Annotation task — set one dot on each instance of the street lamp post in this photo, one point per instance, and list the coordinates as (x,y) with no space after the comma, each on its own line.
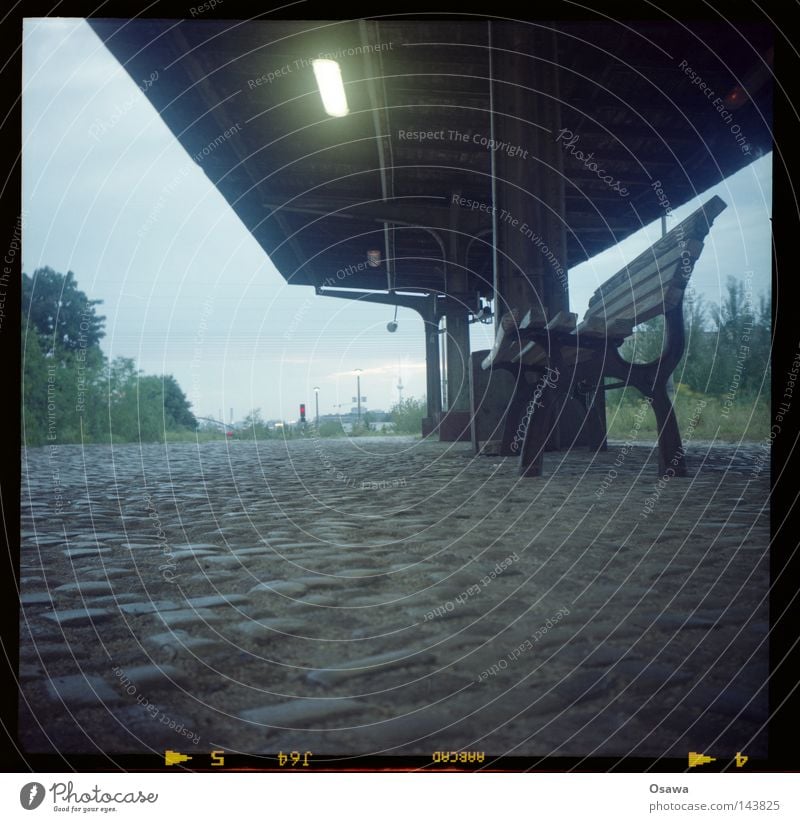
(358,393)
(316,399)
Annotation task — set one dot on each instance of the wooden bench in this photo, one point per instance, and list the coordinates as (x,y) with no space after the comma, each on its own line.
(553,360)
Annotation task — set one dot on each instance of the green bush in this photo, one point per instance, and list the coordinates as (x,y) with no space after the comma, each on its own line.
(330,428)
(408,414)
(700,416)
(71,393)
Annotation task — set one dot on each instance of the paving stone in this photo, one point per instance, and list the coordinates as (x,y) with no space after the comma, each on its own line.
(78,690)
(650,675)
(167,638)
(115,599)
(206,578)
(194,547)
(178,556)
(280,586)
(110,572)
(176,643)
(268,630)
(79,616)
(152,675)
(358,573)
(85,588)
(369,666)
(675,622)
(224,561)
(289,548)
(603,656)
(300,712)
(458,613)
(149,724)
(216,601)
(318,582)
(149,606)
(319,599)
(80,553)
(368,600)
(188,616)
(434,553)
(43,598)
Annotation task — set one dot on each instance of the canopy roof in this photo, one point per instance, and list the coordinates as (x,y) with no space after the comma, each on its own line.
(652,102)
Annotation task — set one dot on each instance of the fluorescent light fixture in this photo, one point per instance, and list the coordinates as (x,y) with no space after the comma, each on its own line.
(331,87)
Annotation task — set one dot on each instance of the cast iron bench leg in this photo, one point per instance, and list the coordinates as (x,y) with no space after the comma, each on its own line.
(542,413)
(670,447)
(596,419)
(514,415)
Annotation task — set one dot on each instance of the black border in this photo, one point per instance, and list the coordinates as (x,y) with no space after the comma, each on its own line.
(784,746)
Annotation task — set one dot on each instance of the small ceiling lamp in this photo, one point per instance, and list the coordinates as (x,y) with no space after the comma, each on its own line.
(331,87)
(391,326)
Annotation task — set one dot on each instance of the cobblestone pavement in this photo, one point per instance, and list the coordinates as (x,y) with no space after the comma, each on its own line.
(388,595)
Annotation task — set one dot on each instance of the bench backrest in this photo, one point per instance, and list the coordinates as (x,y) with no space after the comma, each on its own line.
(654,282)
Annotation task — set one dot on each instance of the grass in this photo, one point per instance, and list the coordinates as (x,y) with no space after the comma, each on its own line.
(700,416)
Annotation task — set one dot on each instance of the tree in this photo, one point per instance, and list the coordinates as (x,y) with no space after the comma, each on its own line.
(34,391)
(743,342)
(253,425)
(177,408)
(646,343)
(142,407)
(70,392)
(121,400)
(63,316)
(694,368)
(407,415)
(732,354)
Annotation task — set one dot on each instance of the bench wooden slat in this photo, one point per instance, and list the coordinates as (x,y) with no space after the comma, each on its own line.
(672,269)
(563,321)
(603,327)
(535,318)
(645,305)
(695,227)
(505,345)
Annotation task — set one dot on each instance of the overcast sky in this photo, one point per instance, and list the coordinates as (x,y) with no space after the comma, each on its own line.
(186,288)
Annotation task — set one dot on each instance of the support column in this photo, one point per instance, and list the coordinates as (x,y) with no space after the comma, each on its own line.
(529,184)
(456,420)
(455,423)
(457,353)
(529,198)
(433,377)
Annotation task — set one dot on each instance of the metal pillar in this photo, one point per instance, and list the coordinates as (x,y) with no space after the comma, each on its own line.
(433,379)
(457,353)
(529,184)
(455,423)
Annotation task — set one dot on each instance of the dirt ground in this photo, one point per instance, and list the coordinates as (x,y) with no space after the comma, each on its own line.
(391,595)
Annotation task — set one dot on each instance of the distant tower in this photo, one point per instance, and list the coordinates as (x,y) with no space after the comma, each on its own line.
(400,389)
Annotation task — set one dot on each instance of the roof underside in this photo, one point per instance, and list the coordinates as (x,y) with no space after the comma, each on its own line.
(241,98)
